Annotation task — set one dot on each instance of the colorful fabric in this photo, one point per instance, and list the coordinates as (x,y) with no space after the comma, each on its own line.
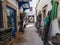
(54,9)
(46,20)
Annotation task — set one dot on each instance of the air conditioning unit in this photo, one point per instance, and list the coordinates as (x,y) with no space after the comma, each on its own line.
(56,0)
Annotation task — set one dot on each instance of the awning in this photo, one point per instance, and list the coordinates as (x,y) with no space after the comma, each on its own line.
(24,4)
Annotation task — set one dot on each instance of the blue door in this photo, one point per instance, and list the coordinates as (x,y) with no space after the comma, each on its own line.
(12,19)
(13,23)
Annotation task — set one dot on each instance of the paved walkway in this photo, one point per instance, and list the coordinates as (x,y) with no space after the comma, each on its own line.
(30,37)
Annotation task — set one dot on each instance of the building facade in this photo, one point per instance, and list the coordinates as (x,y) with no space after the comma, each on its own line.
(52,6)
(9,13)
(9,6)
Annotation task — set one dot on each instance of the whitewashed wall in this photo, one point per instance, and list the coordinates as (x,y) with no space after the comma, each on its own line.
(43,3)
(55,28)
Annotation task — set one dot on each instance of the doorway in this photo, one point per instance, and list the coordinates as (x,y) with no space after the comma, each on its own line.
(31,19)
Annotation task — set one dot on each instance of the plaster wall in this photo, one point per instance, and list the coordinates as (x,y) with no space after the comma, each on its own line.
(42,3)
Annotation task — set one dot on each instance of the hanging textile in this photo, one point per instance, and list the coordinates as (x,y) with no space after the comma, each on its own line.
(54,9)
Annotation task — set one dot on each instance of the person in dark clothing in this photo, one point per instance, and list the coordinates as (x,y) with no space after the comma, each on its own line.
(21,24)
(47,25)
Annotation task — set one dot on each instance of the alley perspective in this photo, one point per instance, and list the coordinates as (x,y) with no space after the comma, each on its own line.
(29,22)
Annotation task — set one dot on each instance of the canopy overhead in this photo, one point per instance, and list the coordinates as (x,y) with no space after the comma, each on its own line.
(24,4)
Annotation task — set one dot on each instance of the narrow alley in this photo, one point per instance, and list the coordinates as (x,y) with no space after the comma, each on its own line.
(29,22)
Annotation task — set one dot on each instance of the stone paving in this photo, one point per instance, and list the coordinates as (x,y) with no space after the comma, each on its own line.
(30,37)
